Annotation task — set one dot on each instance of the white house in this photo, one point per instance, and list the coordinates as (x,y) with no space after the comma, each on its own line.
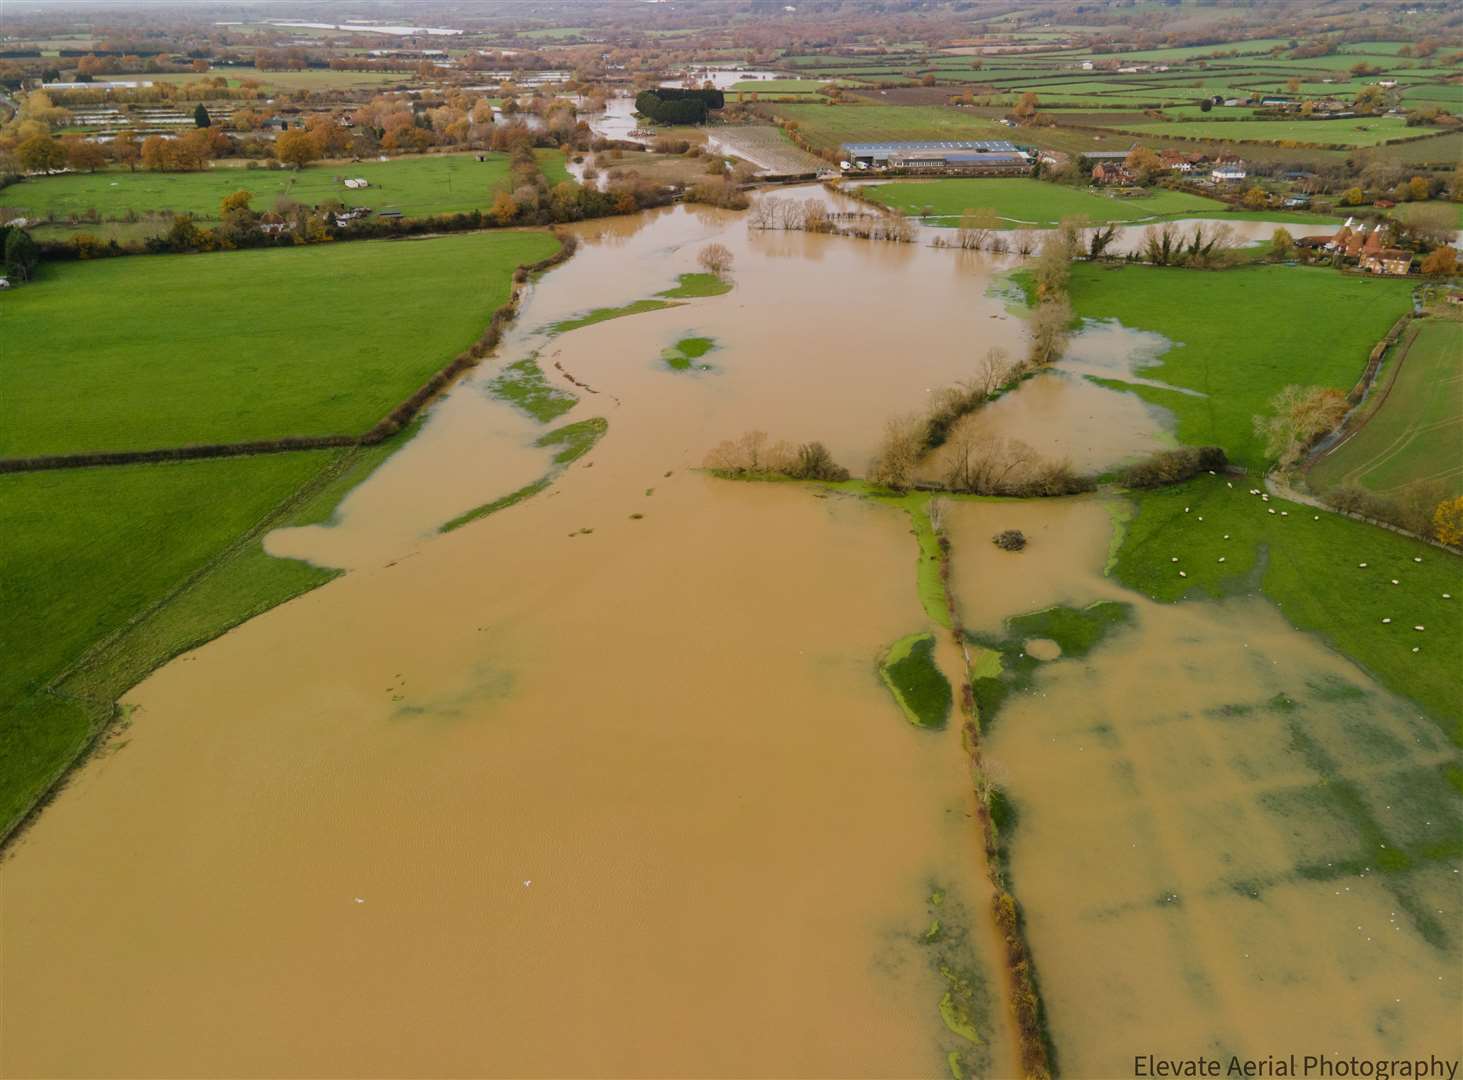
(1228,174)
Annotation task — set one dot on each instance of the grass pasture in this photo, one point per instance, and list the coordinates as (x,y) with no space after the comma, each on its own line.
(419,186)
(1358,131)
(108,572)
(309,79)
(829,126)
(1414,430)
(1309,564)
(168,350)
(1241,335)
(1021,201)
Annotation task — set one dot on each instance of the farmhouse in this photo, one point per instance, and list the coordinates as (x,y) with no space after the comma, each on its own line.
(1111,172)
(1387,261)
(1228,172)
(1180,161)
(988,158)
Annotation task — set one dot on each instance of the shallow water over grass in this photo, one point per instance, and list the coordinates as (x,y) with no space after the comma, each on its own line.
(1210,809)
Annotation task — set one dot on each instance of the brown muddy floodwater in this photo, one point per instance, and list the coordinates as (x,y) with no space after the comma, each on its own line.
(607,783)
(564,792)
(1199,805)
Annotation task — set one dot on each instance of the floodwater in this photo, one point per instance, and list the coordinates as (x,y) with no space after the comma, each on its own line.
(1204,806)
(565,791)
(601,783)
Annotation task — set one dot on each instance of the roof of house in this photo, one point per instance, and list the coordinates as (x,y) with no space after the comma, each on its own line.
(992,158)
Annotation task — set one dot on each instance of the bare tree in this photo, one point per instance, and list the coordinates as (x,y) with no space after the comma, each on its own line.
(1299,416)
(716,258)
(1050,327)
(899,453)
(1053,266)
(976,227)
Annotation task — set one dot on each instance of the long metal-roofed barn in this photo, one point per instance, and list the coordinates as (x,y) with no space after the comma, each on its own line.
(996,155)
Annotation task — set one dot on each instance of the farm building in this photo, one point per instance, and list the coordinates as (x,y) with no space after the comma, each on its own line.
(1108,172)
(991,158)
(1387,261)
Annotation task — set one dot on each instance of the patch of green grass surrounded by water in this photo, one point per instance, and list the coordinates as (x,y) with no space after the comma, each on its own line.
(604,314)
(511,499)
(522,385)
(574,440)
(1013,669)
(682,356)
(919,687)
(693,286)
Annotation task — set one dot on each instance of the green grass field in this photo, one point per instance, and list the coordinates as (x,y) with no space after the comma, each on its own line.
(1023,201)
(1241,335)
(1359,131)
(828,126)
(167,350)
(1310,569)
(1406,211)
(309,79)
(1415,433)
(93,555)
(418,186)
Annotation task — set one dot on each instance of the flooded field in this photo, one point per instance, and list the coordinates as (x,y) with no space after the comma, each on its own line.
(1220,823)
(548,795)
(600,783)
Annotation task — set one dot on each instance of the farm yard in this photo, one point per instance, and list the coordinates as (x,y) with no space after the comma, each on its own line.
(1412,426)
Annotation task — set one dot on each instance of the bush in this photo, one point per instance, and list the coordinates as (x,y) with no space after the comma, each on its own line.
(1172,466)
(1416,510)
(814,462)
(1010,540)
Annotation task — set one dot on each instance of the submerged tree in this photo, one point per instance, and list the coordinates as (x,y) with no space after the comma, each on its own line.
(1050,328)
(715,258)
(899,453)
